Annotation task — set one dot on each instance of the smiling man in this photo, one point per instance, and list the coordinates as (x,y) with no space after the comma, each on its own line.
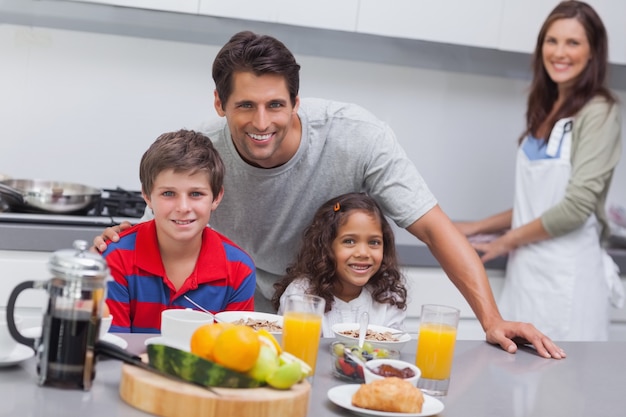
(285,156)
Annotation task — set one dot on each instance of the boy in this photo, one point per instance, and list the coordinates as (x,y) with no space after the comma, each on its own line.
(156,263)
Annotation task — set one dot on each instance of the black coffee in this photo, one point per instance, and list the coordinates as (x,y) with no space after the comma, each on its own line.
(69,360)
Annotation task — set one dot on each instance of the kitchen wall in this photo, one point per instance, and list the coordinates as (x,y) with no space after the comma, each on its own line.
(83,107)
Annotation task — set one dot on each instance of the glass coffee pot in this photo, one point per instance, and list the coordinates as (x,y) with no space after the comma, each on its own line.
(76,293)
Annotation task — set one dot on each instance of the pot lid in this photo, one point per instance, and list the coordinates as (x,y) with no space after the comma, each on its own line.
(78,263)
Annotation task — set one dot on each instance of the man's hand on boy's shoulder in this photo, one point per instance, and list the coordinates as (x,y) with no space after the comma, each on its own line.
(110,233)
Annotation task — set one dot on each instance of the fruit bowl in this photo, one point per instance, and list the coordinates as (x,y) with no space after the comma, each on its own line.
(347,370)
(400,338)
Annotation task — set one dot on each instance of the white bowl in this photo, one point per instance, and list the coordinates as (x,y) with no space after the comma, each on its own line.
(402,338)
(234,316)
(105,325)
(398,364)
(178,325)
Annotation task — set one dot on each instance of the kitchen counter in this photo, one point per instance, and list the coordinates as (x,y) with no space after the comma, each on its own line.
(486,381)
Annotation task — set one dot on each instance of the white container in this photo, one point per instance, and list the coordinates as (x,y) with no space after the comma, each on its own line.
(235,316)
(402,338)
(396,363)
(177,326)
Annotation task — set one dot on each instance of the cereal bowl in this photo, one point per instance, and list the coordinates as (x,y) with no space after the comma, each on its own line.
(273,323)
(383,368)
(348,370)
(397,338)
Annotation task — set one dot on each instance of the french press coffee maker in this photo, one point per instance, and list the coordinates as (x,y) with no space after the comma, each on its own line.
(76,292)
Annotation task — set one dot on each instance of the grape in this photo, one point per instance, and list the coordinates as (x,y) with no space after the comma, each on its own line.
(357,352)
(338,349)
(382,353)
(367,347)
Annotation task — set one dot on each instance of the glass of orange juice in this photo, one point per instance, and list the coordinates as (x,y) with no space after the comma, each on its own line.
(435,347)
(302,326)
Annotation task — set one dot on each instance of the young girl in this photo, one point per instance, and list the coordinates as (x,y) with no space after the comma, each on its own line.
(348,257)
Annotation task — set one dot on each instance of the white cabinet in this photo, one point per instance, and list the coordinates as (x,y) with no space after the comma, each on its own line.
(472,23)
(20,266)
(613,14)
(507,25)
(179,6)
(432,286)
(322,14)
(521,21)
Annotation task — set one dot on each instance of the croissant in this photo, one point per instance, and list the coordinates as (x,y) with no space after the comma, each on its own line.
(389,394)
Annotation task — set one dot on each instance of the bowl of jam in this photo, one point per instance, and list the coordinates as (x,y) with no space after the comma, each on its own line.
(383,368)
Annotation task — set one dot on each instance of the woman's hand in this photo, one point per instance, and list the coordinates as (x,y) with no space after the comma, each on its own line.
(467,228)
(491,250)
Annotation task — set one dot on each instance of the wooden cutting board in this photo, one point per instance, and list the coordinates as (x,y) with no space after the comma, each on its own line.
(169,398)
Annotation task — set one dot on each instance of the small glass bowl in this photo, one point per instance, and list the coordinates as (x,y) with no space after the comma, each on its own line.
(347,370)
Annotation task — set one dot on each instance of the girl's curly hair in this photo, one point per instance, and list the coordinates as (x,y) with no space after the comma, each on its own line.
(316,259)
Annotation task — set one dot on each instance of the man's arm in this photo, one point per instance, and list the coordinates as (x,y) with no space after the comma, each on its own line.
(110,233)
(461,263)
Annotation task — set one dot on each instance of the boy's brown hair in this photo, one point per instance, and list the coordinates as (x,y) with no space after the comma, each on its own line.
(182,151)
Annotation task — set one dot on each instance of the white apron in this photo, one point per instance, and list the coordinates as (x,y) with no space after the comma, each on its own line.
(560,284)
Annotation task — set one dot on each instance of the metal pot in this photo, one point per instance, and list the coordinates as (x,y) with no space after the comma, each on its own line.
(48,196)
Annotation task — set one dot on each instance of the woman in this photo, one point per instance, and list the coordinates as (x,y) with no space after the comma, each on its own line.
(558,275)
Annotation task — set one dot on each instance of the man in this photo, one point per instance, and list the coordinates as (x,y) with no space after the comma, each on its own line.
(284,157)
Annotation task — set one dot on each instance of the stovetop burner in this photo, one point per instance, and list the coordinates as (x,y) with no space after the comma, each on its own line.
(119,203)
(114,206)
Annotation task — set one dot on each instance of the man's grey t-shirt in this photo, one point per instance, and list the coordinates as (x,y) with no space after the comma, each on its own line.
(344,148)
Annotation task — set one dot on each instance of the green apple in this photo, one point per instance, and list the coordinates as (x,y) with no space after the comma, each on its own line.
(266,364)
(285,376)
(287,357)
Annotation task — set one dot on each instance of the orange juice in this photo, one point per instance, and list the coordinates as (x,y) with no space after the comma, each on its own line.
(301,335)
(435,349)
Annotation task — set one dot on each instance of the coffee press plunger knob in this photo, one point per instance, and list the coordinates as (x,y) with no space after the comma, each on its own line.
(80,245)
(78,264)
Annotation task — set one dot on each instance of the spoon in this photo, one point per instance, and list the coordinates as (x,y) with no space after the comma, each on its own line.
(354,358)
(203,309)
(363,323)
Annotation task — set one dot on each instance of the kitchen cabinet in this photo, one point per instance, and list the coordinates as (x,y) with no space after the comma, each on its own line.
(472,23)
(178,6)
(521,21)
(322,14)
(612,14)
(432,286)
(509,26)
(20,266)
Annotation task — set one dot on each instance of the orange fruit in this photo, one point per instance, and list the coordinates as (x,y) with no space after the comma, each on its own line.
(268,339)
(204,337)
(105,310)
(237,348)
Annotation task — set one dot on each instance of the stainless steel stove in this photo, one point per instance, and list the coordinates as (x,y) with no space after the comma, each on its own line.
(49,232)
